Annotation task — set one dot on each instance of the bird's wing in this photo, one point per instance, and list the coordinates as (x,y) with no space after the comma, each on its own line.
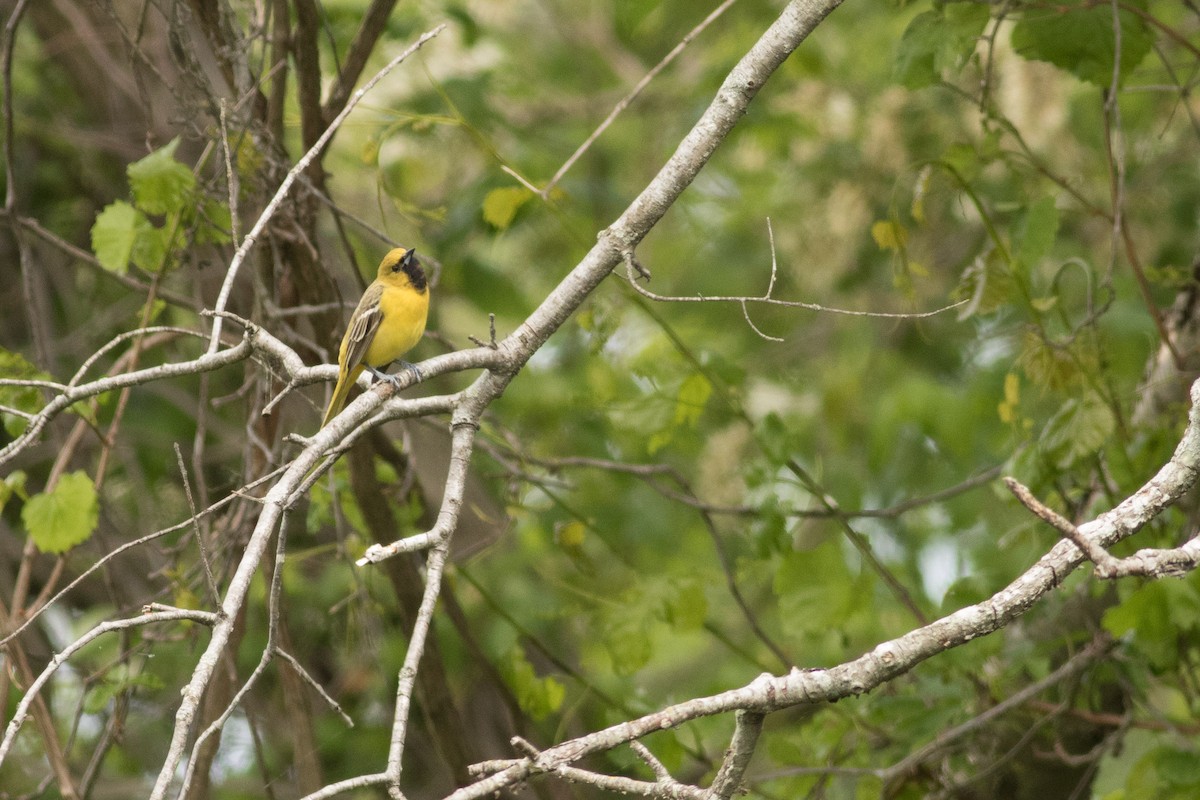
(363,325)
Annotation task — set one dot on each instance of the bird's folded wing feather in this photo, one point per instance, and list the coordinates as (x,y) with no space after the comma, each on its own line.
(367,318)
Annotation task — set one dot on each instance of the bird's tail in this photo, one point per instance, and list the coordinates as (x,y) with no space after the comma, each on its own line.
(346,379)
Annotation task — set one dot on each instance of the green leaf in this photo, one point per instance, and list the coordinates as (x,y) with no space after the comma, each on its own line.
(659,439)
(889,235)
(692,398)
(1048,366)
(467,26)
(500,206)
(120,679)
(64,517)
(370,152)
(160,184)
(1008,408)
(918,46)
(1178,767)
(686,605)
(1035,232)
(150,249)
(115,232)
(815,578)
(13,484)
(1080,40)
(627,641)
(964,160)
(155,310)
(14,366)
(776,438)
(1080,428)
(216,223)
(538,697)
(986,283)
(939,40)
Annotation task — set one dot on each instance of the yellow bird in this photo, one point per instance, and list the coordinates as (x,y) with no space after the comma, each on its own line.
(389,321)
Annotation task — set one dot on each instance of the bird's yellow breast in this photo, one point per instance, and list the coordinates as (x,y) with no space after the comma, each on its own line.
(404,311)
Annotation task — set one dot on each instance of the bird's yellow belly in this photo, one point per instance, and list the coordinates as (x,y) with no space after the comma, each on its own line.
(404,314)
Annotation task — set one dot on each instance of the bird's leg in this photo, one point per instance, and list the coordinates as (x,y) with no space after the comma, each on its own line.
(382,376)
(393,379)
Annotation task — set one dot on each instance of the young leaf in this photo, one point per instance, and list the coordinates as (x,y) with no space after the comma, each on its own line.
(939,40)
(1035,233)
(538,697)
(1080,40)
(64,517)
(149,248)
(1047,365)
(13,484)
(686,605)
(216,223)
(20,398)
(889,235)
(1012,398)
(500,206)
(1178,768)
(160,184)
(987,283)
(115,233)
(692,397)
(1080,428)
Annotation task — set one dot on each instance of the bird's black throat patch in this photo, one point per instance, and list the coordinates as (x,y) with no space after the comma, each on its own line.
(416,275)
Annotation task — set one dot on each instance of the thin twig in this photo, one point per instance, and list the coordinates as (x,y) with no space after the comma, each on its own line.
(771,301)
(860,542)
(302,673)
(231,178)
(1094,552)
(6,55)
(214,592)
(627,99)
